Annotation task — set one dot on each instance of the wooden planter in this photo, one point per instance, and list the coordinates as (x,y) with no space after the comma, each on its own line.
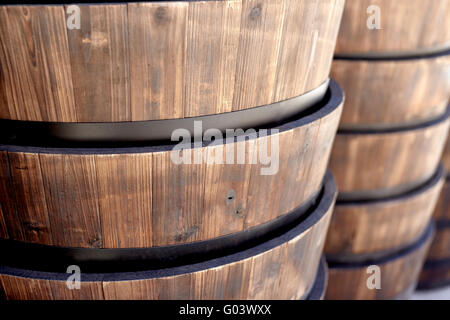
(374,164)
(364,230)
(399,275)
(138,197)
(283,267)
(162,60)
(393,93)
(402,32)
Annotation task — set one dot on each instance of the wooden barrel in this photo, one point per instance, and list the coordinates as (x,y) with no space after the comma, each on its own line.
(282,267)
(393,93)
(365,230)
(401,29)
(162,59)
(382,163)
(139,197)
(398,274)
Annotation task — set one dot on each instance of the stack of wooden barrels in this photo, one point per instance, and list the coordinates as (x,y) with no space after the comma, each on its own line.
(97,199)
(436,271)
(394,69)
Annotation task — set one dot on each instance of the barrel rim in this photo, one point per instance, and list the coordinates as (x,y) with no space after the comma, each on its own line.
(333,102)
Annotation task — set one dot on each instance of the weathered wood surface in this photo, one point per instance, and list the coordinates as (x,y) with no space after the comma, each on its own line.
(402,27)
(141,198)
(372,227)
(386,94)
(281,268)
(398,273)
(162,60)
(387,162)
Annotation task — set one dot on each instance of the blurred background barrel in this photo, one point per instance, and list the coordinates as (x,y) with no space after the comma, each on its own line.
(394,70)
(436,271)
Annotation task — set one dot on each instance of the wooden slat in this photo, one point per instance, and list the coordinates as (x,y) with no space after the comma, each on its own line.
(178,195)
(125,200)
(157,36)
(261,29)
(7,201)
(71,191)
(99,63)
(36,81)
(226,187)
(210,65)
(308,56)
(402,26)
(32,213)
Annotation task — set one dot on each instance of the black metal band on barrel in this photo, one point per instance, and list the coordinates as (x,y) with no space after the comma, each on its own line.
(25,261)
(425,53)
(159,130)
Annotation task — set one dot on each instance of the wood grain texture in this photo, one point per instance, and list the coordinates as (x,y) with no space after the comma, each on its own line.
(398,273)
(165,60)
(70,188)
(364,228)
(121,200)
(40,289)
(157,57)
(442,211)
(99,63)
(281,268)
(388,160)
(392,93)
(402,26)
(36,82)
